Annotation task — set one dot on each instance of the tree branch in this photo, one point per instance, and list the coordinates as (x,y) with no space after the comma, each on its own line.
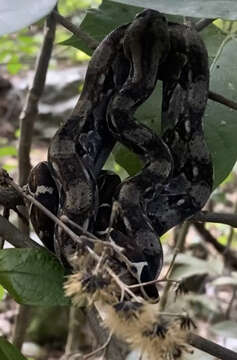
(9,197)
(203,23)
(91,43)
(211,348)
(223,218)
(117,349)
(15,237)
(30,110)
(230,256)
(222,100)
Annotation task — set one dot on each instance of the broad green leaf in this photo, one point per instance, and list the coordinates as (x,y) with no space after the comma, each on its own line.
(228,27)
(99,22)
(226,9)
(15,14)
(226,329)
(32,277)
(9,351)
(8,150)
(220,121)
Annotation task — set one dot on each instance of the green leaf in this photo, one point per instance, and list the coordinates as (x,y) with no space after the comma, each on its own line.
(226,329)
(220,121)
(8,150)
(99,22)
(32,277)
(14,65)
(226,9)
(228,27)
(2,292)
(9,351)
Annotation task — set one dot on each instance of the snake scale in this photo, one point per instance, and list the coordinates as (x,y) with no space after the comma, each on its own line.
(176,179)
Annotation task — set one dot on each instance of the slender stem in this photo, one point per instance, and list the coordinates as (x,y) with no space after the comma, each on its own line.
(30,110)
(222,100)
(203,23)
(211,348)
(229,255)
(21,324)
(96,351)
(15,237)
(223,218)
(179,245)
(80,34)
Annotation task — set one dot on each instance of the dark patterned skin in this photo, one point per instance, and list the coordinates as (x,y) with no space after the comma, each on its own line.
(176,179)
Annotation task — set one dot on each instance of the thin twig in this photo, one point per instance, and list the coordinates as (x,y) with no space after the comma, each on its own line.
(230,255)
(15,237)
(117,349)
(152,282)
(230,305)
(223,218)
(222,100)
(91,43)
(30,110)
(211,348)
(179,245)
(203,23)
(102,347)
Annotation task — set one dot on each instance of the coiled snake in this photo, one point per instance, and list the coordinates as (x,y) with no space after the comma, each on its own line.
(176,179)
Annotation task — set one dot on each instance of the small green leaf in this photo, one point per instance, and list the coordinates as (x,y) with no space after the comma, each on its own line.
(99,22)
(9,167)
(2,292)
(32,277)
(8,150)
(220,121)
(9,351)
(14,65)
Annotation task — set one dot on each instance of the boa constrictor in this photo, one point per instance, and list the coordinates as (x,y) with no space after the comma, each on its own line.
(176,180)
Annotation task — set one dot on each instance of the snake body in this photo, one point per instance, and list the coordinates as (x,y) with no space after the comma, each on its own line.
(81,146)
(185,93)
(176,180)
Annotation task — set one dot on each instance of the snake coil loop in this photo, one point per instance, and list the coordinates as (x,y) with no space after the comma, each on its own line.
(176,180)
